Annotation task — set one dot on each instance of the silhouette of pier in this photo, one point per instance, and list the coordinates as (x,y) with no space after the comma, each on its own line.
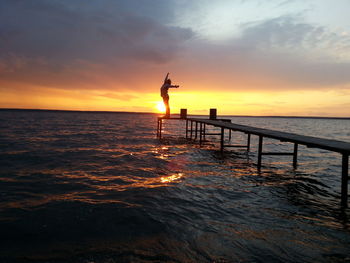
(196,130)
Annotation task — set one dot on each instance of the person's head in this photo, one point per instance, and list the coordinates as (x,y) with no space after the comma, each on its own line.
(168,81)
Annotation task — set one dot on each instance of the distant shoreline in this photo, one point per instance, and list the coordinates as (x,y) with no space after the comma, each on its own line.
(154,113)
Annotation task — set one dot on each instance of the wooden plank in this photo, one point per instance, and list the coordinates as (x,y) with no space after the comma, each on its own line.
(171,118)
(277,153)
(238,146)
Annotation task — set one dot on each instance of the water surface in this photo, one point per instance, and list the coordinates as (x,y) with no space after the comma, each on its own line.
(99,187)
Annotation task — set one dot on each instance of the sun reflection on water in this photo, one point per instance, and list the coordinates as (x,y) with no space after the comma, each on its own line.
(171,178)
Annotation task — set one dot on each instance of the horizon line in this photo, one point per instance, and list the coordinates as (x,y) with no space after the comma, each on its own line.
(133,112)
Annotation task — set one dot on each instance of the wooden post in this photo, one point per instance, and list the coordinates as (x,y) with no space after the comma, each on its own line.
(160,128)
(157,127)
(200,133)
(212,114)
(248,143)
(295,156)
(186,129)
(344,180)
(222,140)
(195,135)
(229,135)
(191,129)
(260,151)
(183,113)
(204,131)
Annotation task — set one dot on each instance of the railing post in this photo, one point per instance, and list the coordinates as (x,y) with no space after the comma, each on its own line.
(260,151)
(200,133)
(186,128)
(295,156)
(212,114)
(183,113)
(229,134)
(344,180)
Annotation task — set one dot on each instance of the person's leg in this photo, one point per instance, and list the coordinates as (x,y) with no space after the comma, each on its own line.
(167,107)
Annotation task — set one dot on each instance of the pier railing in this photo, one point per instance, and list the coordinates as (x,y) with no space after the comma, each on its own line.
(196,130)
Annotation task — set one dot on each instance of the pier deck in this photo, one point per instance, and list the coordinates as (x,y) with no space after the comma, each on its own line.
(309,141)
(225,124)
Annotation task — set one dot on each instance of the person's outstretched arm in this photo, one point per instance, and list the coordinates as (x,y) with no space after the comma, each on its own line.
(174,86)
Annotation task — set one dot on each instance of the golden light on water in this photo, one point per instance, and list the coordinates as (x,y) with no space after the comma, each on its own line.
(171,178)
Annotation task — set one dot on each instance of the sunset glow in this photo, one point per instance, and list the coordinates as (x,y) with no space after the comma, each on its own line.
(160,106)
(243,58)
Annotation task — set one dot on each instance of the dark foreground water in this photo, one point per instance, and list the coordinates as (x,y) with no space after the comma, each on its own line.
(87,187)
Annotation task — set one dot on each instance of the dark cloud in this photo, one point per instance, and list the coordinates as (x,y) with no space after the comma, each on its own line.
(57,31)
(45,39)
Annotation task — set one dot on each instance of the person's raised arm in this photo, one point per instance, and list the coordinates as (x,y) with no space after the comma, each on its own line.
(166,77)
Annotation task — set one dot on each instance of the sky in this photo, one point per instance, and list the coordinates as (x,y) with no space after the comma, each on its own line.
(243,57)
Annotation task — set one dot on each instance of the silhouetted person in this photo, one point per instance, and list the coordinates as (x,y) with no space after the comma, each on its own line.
(164,93)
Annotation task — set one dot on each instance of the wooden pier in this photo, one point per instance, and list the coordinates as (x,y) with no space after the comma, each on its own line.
(196,129)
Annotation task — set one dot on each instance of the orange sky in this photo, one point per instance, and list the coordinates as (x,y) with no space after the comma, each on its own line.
(112,56)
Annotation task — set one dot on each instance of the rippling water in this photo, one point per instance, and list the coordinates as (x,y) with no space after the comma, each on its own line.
(99,187)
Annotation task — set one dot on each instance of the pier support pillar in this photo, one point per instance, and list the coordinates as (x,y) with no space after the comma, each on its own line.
(204,127)
(260,151)
(200,133)
(157,127)
(186,129)
(191,131)
(222,140)
(160,124)
(248,143)
(344,180)
(196,130)
(295,156)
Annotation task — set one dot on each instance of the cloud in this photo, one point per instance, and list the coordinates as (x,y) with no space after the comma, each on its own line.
(275,54)
(51,37)
(55,30)
(127,45)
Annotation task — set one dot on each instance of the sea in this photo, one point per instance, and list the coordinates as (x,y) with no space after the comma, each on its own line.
(99,187)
